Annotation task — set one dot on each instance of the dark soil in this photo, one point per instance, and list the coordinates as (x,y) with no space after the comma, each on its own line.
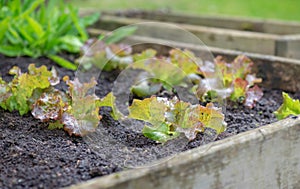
(31,156)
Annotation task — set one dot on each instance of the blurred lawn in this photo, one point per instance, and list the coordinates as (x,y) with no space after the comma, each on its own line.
(276,9)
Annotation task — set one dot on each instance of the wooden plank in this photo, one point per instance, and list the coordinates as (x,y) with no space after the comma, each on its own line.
(267,157)
(289,46)
(236,23)
(277,72)
(224,38)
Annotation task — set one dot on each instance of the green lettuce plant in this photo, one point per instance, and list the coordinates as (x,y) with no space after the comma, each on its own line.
(289,107)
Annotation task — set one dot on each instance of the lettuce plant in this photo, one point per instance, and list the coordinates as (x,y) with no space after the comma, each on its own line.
(169,118)
(76,111)
(105,56)
(18,94)
(230,80)
(288,107)
(82,115)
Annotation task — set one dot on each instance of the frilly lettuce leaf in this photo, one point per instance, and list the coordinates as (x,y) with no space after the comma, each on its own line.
(82,115)
(233,80)
(146,54)
(162,71)
(253,95)
(239,90)
(185,60)
(50,105)
(195,118)
(77,110)
(288,107)
(105,57)
(109,101)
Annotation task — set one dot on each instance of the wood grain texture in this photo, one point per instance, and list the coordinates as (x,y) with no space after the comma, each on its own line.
(268,37)
(289,46)
(236,23)
(212,36)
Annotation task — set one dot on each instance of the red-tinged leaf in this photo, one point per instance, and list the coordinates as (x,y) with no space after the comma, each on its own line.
(92,46)
(242,66)
(253,95)
(239,92)
(121,49)
(82,115)
(207,69)
(196,118)
(71,125)
(224,71)
(50,106)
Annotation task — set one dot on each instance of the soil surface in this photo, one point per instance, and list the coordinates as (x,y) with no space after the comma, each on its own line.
(31,156)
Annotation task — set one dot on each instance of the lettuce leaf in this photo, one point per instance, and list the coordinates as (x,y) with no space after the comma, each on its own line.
(288,107)
(50,106)
(109,101)
(82,115)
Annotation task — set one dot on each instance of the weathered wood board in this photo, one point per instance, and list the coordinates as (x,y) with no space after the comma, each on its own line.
(269,37)
(236,23)
(215,37)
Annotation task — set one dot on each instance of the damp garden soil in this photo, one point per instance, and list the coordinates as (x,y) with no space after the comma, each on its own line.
(31,156)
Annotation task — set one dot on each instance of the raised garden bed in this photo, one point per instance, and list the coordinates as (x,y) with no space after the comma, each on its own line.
(257,36)
(54,159)
(244,160)
(34,157)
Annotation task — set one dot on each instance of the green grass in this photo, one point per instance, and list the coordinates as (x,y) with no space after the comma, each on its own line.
(276,9)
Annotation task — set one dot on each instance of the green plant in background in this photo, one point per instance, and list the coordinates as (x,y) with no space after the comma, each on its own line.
(35,28)
(289,107)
